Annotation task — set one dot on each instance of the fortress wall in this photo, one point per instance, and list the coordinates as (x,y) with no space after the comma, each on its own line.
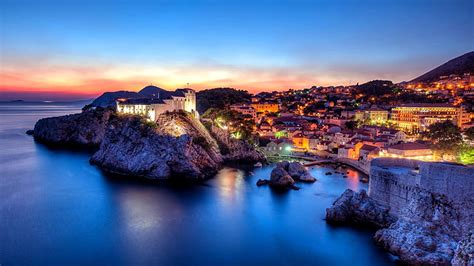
(394,182)
(454,181)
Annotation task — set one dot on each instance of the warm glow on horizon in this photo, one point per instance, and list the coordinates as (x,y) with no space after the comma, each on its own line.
(93,82)
(66,49)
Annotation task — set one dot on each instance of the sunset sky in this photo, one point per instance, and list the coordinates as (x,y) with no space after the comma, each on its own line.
(57,50)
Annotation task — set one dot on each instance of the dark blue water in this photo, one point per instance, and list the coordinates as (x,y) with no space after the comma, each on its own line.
(56,209)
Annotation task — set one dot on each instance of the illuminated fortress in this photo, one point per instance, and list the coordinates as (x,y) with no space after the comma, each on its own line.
(164,101)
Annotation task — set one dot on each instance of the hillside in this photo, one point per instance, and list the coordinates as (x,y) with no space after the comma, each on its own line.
(219,98)
(459,65)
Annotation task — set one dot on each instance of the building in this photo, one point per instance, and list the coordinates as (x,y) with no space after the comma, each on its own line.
(377,116)
(278,147)
(167,101)
(301,142)
(373,115)
(367,152)
(418,117)
(245,110)
(266,107)
(412,150)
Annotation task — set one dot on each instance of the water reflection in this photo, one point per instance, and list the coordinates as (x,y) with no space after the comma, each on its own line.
(230,184)
(57,209)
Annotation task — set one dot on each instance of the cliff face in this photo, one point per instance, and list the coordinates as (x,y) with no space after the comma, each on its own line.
(464,254)
(84,129)
(234,149)
(433,203)
(427,232)
(359,209)
(179,147)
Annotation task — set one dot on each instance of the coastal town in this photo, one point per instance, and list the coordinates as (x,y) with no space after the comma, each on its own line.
(427,121)
(237,132)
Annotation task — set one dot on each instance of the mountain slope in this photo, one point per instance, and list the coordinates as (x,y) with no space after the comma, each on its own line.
(107,99)
(153,91)
(459,65)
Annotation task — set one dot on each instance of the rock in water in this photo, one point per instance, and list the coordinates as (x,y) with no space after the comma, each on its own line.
(358,208)
(427,232)
(279,178)
(179,147)
(464,254)
(297,171)
(285,173)
(84,129)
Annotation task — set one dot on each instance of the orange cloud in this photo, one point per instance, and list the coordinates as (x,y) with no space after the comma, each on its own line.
(91,81)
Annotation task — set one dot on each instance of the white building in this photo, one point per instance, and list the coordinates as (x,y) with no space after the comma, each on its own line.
(245,110)
(166,101)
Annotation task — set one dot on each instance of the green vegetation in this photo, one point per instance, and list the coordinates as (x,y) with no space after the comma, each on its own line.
(150,124)
(466,155)
(220,98)
(447,139)
(470,133)
(281,134)
(314,107)
(353,124)
(445,136)
(238,125)
(376,88)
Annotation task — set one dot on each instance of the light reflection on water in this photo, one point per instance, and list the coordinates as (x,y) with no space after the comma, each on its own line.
(55,208)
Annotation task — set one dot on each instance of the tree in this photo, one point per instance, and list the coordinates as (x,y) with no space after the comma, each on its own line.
(466,155)
(470,133)
(445,136)
(353,124)
(220,98)
(238,125)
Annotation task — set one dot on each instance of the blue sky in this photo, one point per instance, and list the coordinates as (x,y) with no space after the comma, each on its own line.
(91,46)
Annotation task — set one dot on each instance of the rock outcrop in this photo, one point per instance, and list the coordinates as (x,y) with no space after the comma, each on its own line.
(236,150)
(285,173)
(83,129)
(298,172)
(179,147)
(427,231)
(279,178)
(464,254)
(358,208)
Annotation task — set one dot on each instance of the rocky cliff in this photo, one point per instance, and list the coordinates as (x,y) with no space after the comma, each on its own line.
(234,149)
(84,129)
(427,232)
(358,208)
(179,147)
(464,254)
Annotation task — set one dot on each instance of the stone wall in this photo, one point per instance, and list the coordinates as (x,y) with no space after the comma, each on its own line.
(394,182)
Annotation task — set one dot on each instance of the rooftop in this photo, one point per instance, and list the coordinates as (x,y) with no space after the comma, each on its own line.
(426,105)
(409,146)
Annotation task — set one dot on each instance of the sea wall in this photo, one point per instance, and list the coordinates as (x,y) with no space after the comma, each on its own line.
(394,182)
(364,167)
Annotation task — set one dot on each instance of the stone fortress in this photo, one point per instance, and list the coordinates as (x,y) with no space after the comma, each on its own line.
(161,102)
(395,182)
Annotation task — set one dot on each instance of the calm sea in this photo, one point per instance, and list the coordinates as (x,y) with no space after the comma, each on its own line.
(57,209)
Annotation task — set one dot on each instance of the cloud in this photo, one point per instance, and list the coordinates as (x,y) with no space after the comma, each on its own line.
(94,77)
